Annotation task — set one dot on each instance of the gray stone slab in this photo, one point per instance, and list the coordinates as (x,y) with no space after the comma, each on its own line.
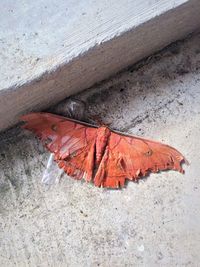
(51,49)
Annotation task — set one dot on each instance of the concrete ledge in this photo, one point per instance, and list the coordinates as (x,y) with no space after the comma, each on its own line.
(72,47)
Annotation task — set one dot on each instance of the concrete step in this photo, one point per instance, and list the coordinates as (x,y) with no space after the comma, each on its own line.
(50,50)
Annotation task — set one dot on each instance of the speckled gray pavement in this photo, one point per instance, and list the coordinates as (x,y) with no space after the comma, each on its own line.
(155,222)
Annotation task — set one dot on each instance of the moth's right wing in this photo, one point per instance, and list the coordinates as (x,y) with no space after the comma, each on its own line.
(132,157)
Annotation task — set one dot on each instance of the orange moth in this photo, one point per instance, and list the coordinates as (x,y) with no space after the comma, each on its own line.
(99,154)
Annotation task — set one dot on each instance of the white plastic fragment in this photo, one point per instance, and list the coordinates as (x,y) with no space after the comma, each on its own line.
(52,173)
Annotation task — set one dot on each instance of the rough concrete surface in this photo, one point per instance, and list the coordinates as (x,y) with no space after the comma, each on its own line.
(52,49)
(47,34)
(151,223)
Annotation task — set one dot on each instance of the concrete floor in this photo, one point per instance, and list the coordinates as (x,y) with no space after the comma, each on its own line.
(151,223)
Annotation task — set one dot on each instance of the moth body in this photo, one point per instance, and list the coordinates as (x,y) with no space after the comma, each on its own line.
(103,134)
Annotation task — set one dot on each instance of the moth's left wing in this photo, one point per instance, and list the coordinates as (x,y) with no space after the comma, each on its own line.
(72,142)
(131,157)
